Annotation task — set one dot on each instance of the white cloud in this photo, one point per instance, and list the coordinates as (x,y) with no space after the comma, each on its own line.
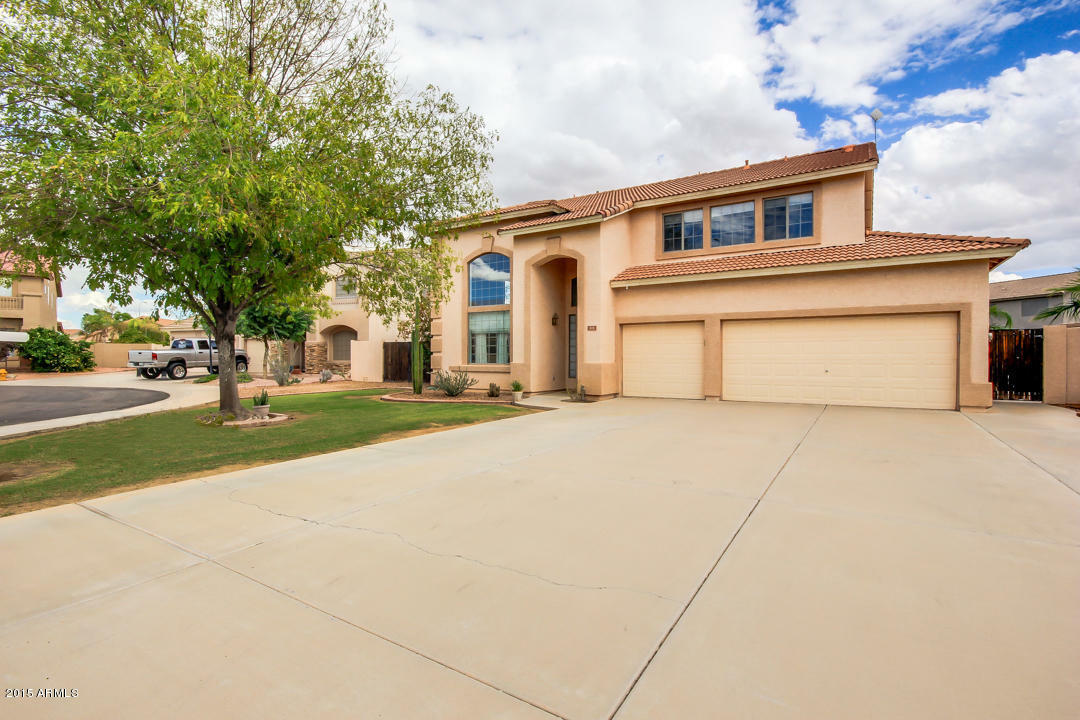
(591,96)
(838,52)
(482,271)
(999,276)
(78,300)
(1009,173)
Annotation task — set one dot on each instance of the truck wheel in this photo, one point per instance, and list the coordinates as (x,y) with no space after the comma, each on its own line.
(241,366)
(177,371)
(149,373)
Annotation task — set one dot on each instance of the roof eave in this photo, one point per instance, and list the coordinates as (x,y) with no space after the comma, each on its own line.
(1003,254)
(702,194)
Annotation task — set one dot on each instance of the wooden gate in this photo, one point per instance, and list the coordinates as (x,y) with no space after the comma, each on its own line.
(396,361)
(1016,364)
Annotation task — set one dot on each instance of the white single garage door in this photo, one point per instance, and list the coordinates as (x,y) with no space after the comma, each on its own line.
(664,360)
(885,360)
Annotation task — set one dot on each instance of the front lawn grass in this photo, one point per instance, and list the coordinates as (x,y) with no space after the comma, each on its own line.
(94,460)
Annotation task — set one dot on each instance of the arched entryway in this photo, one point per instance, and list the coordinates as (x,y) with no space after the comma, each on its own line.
(555,333)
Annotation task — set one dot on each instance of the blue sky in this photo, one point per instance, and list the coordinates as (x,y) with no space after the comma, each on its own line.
(981,101)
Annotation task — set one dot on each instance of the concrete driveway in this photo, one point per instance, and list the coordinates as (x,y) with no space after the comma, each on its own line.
(628,559)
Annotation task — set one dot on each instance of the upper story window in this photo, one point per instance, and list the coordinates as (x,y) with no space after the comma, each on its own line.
(489,280)
(789,217)
(344,289)
(683,231)
(1030,307)
(732,224)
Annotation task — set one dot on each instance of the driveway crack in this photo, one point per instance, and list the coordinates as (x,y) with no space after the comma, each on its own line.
(453,556)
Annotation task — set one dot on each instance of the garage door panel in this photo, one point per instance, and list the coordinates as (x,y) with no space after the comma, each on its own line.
(895,361)
(664,360)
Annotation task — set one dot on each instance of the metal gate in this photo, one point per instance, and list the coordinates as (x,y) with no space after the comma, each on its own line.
(1016,364)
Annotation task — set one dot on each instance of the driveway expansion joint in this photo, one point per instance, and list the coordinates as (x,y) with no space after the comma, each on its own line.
(209,560)
(716,563)
(1031,460)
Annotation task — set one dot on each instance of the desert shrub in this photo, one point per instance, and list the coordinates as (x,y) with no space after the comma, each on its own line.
(453,383)
(516,386)
(493,390)
(280,369)
(325,375)
(52,351)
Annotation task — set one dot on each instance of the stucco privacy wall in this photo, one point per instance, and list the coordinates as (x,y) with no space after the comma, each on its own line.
(1061,364)
(959,287)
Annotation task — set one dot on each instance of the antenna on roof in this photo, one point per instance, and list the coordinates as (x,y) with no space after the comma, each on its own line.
(875,116)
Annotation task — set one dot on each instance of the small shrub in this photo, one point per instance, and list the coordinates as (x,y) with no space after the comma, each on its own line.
(325,375)
(453,383)
(243,377)
(516,386)
(52,351)
(205,378)
(493,390)
(263,398)
(576,394)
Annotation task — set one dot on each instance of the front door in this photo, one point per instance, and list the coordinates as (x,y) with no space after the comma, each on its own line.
(571,344)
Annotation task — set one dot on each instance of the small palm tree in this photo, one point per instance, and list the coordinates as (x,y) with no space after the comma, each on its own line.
(1068,310)
(999,319)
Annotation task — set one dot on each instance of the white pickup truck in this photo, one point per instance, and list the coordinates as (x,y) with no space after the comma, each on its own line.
(183,354)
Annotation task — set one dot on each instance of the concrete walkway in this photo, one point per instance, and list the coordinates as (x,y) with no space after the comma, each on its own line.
(626,559)
(177,394)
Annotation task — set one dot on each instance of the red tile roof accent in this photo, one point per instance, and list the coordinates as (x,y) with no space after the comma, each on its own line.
(611,202)
(880,244)
(522,206)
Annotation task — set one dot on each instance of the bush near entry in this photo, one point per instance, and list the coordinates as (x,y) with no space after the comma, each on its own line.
(53,351)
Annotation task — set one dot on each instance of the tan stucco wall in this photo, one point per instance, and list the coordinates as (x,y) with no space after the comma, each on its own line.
(38,300)
(1061,364)
(115,355)
(959,287)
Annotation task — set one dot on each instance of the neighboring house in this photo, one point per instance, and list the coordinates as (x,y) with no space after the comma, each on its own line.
(26,300)
(1026,298)
(349,341)
(764,282)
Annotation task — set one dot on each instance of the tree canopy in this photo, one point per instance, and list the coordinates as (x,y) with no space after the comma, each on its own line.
(222,153)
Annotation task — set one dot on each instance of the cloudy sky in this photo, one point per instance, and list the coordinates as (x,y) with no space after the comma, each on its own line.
(981,100)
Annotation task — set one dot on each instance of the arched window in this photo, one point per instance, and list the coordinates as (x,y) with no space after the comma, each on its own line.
(489,280)
(489,331)
(340,349)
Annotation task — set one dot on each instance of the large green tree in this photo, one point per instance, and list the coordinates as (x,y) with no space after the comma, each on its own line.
(219,153)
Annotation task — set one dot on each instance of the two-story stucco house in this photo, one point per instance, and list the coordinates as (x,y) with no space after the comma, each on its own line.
(27,300)
(764,282)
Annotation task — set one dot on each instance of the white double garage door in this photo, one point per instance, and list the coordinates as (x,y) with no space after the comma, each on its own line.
(877,360)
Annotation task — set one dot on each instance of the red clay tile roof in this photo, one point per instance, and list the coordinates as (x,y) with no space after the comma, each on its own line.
(1031,287)
(532,204)
(879,244)
(611,202)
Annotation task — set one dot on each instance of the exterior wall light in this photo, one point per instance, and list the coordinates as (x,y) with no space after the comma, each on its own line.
(555,319)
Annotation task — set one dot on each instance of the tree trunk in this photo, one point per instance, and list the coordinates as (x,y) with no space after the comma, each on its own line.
(266,357)
(228,389)
(417,362)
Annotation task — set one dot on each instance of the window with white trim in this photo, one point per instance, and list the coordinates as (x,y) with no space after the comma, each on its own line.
(344,289)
